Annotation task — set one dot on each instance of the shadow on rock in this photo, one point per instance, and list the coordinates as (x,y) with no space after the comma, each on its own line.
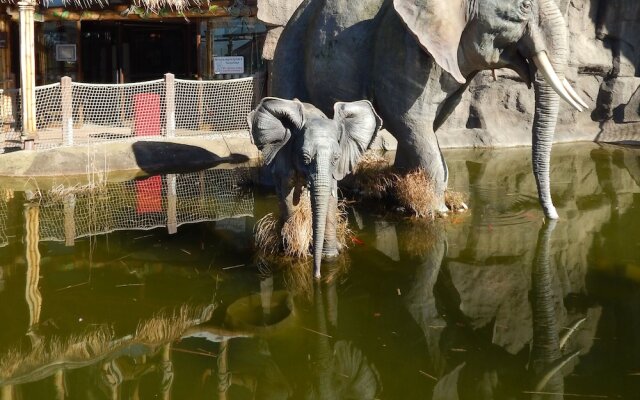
(165,158)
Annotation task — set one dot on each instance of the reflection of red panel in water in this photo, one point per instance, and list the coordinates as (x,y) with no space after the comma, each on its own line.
(147,114)
(149,195)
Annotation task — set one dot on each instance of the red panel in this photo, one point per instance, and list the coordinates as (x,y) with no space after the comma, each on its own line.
(149,195)
(147,114)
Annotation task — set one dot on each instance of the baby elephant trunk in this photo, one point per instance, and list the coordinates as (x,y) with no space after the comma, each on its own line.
(321,182)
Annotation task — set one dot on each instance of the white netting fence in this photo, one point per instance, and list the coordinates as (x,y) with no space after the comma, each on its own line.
(67,214)
(10,114)
(111,112)
(48,106)
(70,113)
(213,106)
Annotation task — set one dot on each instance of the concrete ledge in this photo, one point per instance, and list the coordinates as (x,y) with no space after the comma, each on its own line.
(126,160)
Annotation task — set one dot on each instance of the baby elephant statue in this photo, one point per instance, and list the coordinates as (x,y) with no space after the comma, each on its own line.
(302,147)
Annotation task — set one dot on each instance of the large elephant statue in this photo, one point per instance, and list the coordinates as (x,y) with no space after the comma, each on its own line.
(303,147)
(413,59)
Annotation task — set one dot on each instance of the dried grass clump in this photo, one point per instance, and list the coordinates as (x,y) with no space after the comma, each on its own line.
(164,327)
(266,235)
(373,176)
(415,192)
(296,236)
(455,201)
(297,231)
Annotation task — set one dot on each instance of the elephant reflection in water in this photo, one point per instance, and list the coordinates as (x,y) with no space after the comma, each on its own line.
(337,369)
(466,357)
(340,369)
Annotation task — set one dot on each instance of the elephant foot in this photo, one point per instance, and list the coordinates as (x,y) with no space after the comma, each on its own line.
(442,210)
(330,254)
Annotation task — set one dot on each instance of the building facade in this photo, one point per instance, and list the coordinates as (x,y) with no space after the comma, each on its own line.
(120,42)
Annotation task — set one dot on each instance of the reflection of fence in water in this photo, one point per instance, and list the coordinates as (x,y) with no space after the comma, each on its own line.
(4,218)
(170,200)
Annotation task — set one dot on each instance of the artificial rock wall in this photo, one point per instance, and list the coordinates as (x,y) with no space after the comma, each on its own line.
(604,68)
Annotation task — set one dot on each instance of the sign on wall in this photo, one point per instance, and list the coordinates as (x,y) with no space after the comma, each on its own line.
(228,65)
(66,52)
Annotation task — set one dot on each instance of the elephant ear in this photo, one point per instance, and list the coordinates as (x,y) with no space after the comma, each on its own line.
(359,125)
(438,26)
(271,124)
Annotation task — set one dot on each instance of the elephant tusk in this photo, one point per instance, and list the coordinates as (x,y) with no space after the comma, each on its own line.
(554,369)
(574,94)
(544,66)
(565,338)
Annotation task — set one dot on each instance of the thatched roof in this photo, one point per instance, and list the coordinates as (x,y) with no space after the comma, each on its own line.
(151,5)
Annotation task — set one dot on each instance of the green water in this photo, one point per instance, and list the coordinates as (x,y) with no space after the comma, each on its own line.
(99,301)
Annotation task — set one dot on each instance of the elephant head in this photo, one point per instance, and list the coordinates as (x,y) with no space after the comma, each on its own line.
(295,136)
(528,36)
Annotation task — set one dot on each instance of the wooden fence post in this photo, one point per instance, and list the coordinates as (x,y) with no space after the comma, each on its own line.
(27,68)
(66,93)
(170,99)
(69,207)
(172,202)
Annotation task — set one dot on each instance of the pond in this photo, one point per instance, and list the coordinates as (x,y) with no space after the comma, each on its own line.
(153,289)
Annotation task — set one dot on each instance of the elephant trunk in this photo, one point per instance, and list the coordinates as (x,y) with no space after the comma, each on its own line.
(544,125)
(321,183)
(548,88)
(546,357)
(546,343)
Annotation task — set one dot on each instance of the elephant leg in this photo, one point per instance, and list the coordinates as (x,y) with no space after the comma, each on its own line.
(418,148)
(410,90)
(330,248)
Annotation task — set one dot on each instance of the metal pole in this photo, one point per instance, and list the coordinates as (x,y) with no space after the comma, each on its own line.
(27,68)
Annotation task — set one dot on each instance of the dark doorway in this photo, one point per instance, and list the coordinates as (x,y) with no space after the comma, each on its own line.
(117,52)
(99,52)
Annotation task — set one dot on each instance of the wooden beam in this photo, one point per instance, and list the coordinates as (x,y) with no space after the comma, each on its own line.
(5,53)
